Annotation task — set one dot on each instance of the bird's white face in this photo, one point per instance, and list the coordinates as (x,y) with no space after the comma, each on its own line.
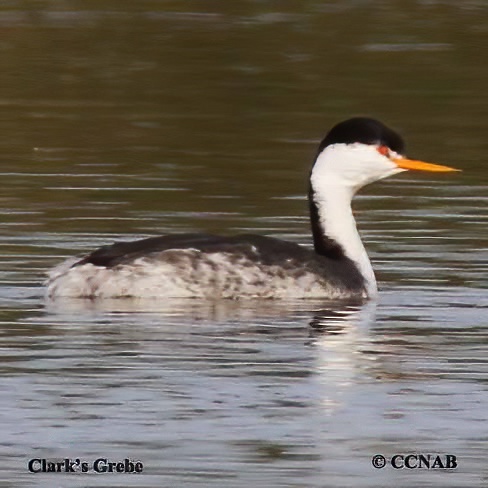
(353,166)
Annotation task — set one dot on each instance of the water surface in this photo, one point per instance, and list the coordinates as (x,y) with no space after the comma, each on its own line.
(126,120)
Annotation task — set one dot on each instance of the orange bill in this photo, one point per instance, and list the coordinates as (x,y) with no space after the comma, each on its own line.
(421,166)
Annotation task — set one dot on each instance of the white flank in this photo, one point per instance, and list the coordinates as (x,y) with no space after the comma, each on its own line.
(188,273)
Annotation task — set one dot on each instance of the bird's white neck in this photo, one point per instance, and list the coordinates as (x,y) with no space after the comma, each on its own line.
(336,224)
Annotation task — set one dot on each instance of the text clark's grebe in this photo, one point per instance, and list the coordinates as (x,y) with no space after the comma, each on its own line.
(354,153)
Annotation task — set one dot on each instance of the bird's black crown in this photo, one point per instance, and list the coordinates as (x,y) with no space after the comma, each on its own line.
(366,131)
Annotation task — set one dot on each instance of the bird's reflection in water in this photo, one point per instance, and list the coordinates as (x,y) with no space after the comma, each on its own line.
(327,344)
(339,317)
(340,335)
(324,318)
(327,318)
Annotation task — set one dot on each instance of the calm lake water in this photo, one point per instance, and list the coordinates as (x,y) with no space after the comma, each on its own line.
(121,120)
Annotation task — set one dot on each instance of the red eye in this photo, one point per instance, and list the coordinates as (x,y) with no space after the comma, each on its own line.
(384,150)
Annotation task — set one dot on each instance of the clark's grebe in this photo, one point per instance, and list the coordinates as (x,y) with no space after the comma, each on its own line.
(354,153)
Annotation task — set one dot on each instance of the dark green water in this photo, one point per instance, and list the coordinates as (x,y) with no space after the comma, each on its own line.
(127,119)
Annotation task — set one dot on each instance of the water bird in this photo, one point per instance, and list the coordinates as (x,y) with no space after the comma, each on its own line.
(354,153)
